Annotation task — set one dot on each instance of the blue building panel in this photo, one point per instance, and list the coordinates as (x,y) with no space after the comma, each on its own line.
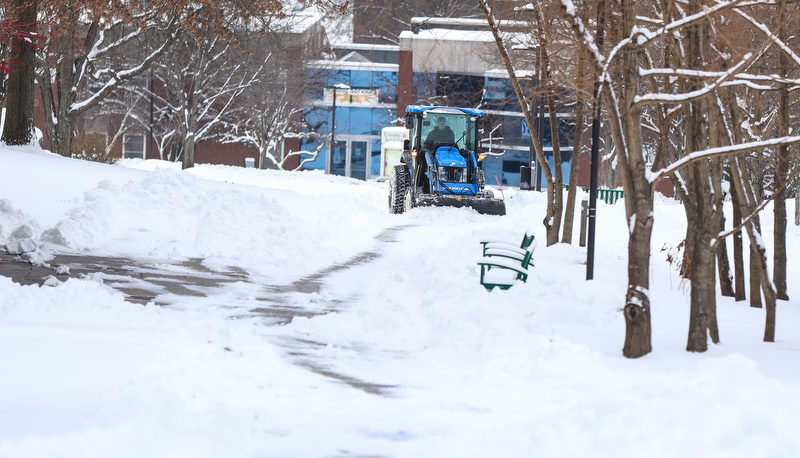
(353,123)
(360,79)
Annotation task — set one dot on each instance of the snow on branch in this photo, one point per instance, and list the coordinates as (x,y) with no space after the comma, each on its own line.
(759,82)
(774,39)
(719,151)
(644,36)
(794,173)
(582,32)
(117,78)
(747,60)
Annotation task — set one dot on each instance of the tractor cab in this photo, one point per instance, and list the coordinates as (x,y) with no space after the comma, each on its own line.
(442,149)
(435,127)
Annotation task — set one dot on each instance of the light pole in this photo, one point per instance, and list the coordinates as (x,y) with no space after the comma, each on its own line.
(333,125)
(594,157)
(150,140)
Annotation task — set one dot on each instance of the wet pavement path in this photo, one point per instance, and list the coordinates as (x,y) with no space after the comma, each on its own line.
(160,284)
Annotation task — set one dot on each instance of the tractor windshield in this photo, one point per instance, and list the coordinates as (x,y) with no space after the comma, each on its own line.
(448,129)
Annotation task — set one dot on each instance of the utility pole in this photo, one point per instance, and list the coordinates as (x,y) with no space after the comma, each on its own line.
(333,125)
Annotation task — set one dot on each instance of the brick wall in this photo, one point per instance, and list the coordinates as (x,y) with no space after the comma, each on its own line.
(210,152)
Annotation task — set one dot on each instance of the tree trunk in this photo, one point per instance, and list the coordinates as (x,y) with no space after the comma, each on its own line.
(577,145)
(755,279)
(738,248)
(187,156)
(558,178)
(555,183)
(639,201)
(637,299)
(58,99)
(724,266)
(797,205)
(19,127)
(781,172)
(701,216)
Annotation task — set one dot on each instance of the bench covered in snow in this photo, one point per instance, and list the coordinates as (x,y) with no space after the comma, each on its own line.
(504,263)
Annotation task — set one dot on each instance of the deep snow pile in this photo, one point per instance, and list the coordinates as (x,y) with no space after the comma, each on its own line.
(534,371)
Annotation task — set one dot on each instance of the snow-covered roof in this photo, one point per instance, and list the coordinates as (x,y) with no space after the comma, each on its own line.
(449,35)
(466,22)
(467,52)
(365,46)
(300,22)
(354,57)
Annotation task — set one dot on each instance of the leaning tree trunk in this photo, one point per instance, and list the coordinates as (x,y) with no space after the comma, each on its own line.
(19,127)
(758,252)
(577,146)
(556,199)
(551,230)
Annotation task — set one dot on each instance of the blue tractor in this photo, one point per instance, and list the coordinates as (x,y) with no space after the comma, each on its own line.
(439,166)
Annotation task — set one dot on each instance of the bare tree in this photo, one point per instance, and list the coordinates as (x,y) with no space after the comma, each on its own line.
(202,80)
(69,63)
(273,108)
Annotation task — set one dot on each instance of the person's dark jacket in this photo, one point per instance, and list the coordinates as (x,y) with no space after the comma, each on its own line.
(437,135)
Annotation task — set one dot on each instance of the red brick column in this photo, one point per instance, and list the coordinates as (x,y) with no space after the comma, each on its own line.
(291,145)
(405,81)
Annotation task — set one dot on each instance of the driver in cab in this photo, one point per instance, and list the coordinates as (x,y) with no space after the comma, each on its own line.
(440,134)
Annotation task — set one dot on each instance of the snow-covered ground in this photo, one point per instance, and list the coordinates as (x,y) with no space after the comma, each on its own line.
(533,371)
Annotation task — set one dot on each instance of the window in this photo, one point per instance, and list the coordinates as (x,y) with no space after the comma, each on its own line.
(133,146)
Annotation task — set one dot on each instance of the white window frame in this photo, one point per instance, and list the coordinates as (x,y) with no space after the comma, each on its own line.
(132,154)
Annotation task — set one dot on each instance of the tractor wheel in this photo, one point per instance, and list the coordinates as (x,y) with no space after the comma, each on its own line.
(408,201)
(400,198)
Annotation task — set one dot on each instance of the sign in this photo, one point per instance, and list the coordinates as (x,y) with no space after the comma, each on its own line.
(392,139)
(352,97)
(394,134)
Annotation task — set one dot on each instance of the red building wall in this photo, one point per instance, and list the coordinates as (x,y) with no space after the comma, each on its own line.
(210,152)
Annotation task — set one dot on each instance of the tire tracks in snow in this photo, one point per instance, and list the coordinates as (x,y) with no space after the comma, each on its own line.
(162,284)
(305,352)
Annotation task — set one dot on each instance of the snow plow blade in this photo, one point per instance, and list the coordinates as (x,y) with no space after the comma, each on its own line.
(480,205)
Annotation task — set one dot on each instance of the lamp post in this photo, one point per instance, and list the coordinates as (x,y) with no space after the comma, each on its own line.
(595,156)
(333,125)
(592,217)
(150,139)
